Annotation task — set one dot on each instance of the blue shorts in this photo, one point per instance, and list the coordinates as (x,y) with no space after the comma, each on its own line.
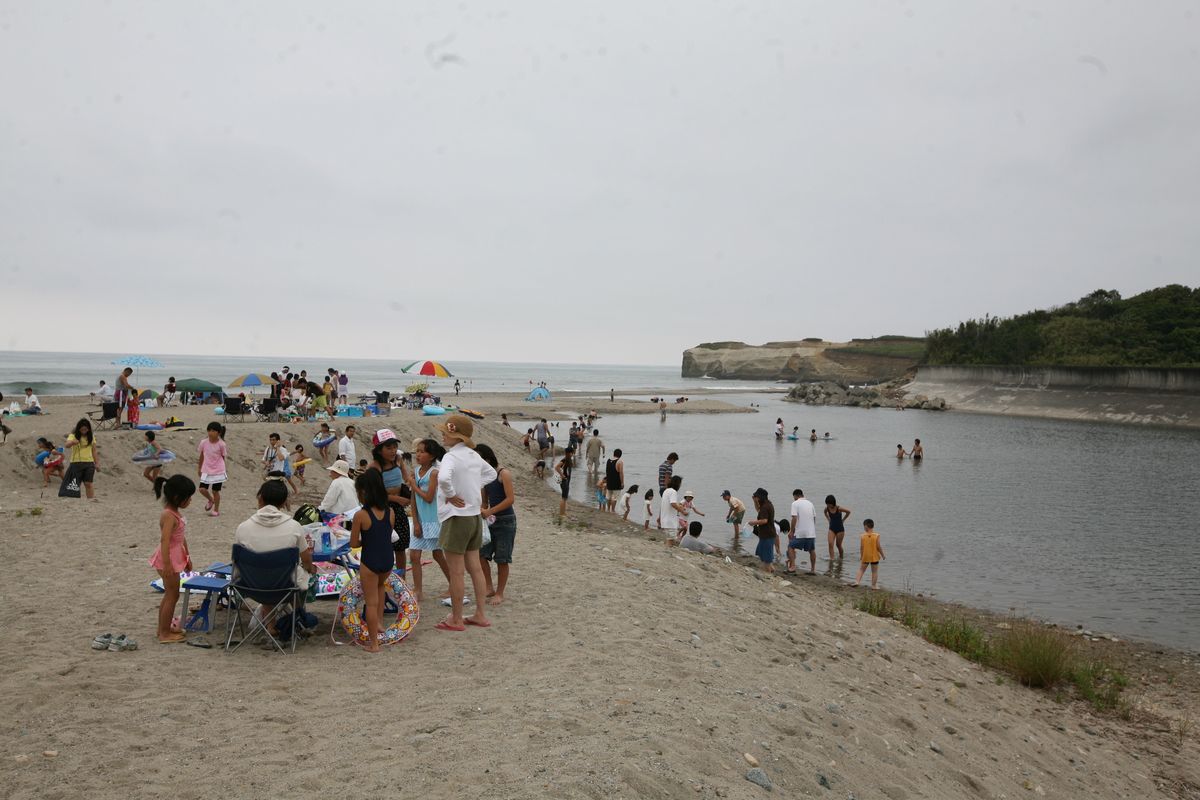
(504,534)
(807,545)
(765,551)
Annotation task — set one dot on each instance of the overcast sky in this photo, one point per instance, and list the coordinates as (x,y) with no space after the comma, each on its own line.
(604,182)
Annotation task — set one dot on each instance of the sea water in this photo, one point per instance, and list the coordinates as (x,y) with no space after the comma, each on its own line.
(81,373)
(1080,523)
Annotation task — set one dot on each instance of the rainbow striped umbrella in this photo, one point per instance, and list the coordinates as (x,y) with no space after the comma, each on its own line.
(430,368)
(252,379)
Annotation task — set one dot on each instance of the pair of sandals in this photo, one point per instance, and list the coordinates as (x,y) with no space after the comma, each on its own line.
(116,644)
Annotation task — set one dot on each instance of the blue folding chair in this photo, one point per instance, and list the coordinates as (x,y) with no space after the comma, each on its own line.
(268,578)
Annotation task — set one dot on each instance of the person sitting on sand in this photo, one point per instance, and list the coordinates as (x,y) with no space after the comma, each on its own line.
(692,540)
(341,497)
(870,553)
(32,404)
(764,529)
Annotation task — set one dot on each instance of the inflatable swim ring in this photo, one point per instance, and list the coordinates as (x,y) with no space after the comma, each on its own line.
(471,414)
(40,458)
(793,438)
(350,609)
(146,457)
(302,462)
(148,426)
(433,411)
(318,442)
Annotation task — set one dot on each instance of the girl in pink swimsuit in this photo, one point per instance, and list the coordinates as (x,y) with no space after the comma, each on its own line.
(171,557)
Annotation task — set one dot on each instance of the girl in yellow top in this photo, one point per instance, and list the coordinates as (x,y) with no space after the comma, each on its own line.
(871,551)
(83,450)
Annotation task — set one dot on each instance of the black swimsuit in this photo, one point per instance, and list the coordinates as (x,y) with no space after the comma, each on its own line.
(377,553)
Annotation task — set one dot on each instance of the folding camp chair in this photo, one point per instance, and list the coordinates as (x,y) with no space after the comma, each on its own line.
(235,407)
(110,416)
(267,410)
(268,577)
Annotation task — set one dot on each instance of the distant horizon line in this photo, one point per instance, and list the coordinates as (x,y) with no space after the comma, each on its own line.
(352,358)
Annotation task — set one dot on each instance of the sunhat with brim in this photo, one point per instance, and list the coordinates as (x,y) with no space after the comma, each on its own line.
(384,435)
(341,468)
(458,426)
(689,493)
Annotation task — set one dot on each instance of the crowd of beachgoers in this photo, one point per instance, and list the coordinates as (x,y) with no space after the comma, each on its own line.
(439,497)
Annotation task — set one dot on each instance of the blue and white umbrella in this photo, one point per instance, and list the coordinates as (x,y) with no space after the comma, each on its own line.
(137,362)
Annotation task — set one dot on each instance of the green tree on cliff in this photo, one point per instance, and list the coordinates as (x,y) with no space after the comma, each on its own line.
(1159,328)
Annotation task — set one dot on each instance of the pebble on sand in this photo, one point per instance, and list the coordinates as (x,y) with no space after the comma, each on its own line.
(751,760)
(759,778)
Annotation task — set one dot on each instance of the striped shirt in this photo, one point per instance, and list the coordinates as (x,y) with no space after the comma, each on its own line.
(664,474)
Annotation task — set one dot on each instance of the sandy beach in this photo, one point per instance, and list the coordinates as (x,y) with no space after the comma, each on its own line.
(618,667)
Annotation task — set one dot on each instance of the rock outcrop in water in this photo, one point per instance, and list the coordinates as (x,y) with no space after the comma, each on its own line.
(859,361)
(890,395)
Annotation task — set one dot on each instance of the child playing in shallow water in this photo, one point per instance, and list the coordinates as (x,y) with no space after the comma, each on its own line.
(171,557)
(870,553)
(602,494)
(649,510)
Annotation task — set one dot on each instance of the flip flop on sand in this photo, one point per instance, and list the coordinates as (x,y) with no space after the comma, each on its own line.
(470,621)
(446,626)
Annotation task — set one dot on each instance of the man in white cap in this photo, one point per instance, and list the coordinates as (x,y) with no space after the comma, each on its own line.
(461,478)
(341,497)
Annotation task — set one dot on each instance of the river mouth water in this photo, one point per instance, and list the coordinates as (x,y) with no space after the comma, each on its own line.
(1079,523)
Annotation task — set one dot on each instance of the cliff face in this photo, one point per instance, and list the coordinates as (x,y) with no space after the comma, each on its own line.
(844,362)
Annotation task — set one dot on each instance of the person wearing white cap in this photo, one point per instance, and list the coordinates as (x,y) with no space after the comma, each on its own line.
(461,478)
(689,508)
(341,497)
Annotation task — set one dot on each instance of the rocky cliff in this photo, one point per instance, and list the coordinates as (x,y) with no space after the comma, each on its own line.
(859,361)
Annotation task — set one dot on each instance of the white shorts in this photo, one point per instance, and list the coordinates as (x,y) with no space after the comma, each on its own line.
(209,480)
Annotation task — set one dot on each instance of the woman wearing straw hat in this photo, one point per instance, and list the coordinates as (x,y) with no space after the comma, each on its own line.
(461,479)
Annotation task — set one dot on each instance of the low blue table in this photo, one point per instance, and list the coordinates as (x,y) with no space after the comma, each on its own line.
(210,586)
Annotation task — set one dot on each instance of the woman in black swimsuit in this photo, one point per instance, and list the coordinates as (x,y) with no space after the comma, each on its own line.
(372,531)
(837,516)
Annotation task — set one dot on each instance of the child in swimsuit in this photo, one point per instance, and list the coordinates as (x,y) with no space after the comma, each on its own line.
(372,531)
(172,556)
(297,467)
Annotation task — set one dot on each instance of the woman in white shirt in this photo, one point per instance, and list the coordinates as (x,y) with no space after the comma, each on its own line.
(341,497)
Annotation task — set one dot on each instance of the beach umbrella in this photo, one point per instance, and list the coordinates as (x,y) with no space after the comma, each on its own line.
(431,368)
(252,379)
(137,362)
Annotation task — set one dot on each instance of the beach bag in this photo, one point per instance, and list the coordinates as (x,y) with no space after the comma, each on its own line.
(71,482)
(307,515)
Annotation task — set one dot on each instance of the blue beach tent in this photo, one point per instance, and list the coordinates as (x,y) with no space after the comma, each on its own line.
(540,393)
